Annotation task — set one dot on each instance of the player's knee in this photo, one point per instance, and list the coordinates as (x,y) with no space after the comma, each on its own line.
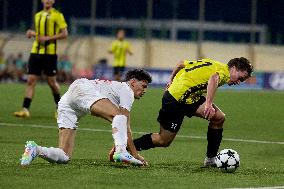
(31,82)
(115,113)
(218,119)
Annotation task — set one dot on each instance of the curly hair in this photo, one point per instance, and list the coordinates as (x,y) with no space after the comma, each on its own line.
(138,74)
(241,64)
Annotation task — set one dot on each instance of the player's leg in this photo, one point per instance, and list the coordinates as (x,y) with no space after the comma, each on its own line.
(29,92)
(64,152)
(67,124)
(34,71)
(50,69)
(120,73)
(54,86)
(170,118)
(104,108)
(116,74)
(51,154)
(162,139)
(214,133)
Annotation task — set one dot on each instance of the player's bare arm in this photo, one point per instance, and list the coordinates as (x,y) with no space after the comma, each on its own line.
(129,52)
(63,33)
(179,66)
(30,33)
(130,145)
(212,86)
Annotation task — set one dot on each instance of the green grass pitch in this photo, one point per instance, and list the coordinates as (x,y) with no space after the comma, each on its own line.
(253,118)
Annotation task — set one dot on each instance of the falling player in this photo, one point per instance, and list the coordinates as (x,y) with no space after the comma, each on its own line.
(110,100)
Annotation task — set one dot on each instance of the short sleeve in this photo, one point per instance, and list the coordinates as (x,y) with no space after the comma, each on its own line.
(126,98)
(224,75)
(61,21)
(221,74)
(186,62)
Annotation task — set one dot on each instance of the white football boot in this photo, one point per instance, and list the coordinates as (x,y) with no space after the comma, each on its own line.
(125,157)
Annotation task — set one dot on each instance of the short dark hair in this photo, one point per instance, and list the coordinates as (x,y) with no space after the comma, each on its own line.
(118,30)
(138,74)
(241,64)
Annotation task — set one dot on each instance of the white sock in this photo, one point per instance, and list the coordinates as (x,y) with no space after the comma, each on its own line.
(53,154)
(119,126)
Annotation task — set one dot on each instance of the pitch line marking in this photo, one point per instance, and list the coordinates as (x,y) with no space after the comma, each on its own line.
(268,187)
(104,130)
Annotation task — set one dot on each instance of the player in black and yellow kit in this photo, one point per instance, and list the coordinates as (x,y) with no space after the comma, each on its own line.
(119,48)
(50,26)
(190,80)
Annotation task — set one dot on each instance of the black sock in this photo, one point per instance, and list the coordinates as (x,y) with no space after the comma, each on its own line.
(214,138)
(144,142)
(56,98)
(27,103)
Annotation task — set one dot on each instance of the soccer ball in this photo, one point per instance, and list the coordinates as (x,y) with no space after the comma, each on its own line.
(228,160)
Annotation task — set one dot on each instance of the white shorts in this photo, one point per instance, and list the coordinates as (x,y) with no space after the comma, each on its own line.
(76,102)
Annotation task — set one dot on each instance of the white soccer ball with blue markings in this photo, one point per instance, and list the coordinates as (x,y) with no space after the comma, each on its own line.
(228,160)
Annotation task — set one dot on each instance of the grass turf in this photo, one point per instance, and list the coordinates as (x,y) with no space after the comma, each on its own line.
(250,115)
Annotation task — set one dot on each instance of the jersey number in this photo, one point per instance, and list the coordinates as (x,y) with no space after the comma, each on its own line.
(174,125)
(198,66)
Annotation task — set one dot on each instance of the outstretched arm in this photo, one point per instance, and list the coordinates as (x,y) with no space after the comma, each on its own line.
(212,86)
(179,66)
(129,52)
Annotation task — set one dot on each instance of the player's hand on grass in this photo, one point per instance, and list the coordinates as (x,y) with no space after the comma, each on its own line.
(141,158)
(209,111)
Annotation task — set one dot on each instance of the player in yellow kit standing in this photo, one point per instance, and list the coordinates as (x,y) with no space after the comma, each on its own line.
(119,48)
(50,26)
(190,80)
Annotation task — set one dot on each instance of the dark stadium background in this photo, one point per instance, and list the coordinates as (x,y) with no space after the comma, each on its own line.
(269,12)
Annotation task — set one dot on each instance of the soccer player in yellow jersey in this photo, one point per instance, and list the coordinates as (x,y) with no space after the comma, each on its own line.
(191,80)
(119,48)
(50,26)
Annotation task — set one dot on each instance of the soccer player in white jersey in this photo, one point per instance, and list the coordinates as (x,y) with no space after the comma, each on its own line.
(110,100)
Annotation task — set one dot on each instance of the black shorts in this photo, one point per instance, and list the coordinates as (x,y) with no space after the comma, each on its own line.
(118,70)
(172,112)
(42,63)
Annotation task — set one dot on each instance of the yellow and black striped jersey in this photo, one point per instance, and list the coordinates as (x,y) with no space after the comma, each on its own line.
(47,24)
(119,49)
(190,83)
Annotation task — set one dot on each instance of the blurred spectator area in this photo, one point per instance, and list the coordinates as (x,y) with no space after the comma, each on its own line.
(83,53)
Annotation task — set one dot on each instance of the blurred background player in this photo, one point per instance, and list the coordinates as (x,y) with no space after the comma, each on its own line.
(21,67)
(50,26)
(11,69)
(190,80)
(64,70)
(110,100)
(2,66)
(119,48)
